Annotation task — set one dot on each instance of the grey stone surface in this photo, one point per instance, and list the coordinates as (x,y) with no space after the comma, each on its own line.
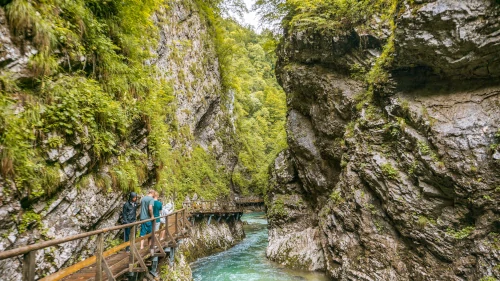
(404,188)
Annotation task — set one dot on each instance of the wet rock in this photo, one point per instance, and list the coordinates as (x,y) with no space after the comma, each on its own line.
(207,239)
(400,188)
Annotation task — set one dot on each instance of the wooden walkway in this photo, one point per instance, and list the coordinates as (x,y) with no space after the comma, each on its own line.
(114,263)
(119,261)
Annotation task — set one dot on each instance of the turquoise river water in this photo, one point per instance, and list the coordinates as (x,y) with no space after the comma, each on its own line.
(247,261)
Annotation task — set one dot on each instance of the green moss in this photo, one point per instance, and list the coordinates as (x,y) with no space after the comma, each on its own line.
(27,219)
(371,208)
(488,278)
(277,209)
(349,130)
(423,221)
(460,234)
(389,171)
(413,168)
(336,197)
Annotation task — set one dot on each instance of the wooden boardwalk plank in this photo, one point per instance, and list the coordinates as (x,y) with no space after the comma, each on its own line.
(118,260)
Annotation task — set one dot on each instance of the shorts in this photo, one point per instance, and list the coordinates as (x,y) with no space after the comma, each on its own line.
(146,228)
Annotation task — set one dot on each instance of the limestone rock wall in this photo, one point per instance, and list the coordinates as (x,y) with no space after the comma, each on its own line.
(207,239)
(186,57)
(406,186)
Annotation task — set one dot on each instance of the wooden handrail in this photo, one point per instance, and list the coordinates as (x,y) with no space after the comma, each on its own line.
(45,244)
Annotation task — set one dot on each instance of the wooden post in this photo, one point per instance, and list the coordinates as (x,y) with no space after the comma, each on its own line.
(184,218)
(29,266)
(99,257)
(132,244)
(152,249)
(176,221)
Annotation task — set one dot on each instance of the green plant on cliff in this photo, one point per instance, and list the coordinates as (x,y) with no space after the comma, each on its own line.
(389,171)
(336,197)
(327,17)
(277,209)
(460,234)
(97,94)
(93,86)
(488,278)
(27,219)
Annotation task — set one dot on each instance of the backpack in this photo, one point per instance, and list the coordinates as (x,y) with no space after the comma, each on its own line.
(120,218)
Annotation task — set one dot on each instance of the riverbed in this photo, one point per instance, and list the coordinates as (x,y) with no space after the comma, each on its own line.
(247,261)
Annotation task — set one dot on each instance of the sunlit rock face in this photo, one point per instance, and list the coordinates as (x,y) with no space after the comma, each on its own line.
(206,238)
(404,187)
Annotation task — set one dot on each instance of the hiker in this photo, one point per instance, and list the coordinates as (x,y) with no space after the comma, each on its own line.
(157,206)
(187,203)
(147,203)
(129,215)
(166,210)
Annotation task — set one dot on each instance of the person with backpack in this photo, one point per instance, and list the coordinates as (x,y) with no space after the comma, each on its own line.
(147,203)
(129,215)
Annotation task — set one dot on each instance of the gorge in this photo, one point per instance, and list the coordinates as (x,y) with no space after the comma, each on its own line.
(370,127)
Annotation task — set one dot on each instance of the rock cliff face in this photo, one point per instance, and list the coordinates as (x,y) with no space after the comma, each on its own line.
(186,57)
(207,239)
(403,185)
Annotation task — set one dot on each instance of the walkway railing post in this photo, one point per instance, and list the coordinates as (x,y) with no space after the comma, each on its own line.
(184,218)
(176,222)
(98,255)
(132,245)
(152,249)
(29,266)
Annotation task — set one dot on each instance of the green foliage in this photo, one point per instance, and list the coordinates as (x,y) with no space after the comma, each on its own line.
(27,219)
(488,278)
(277,209)
(424,221)
(336,197)
(389,171)
(460,234)
(78,106)
(111,243)
(323,16)
(101,89)
(92,87)
(247,67)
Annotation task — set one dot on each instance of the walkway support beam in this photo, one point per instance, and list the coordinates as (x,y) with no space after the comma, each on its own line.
(29,266)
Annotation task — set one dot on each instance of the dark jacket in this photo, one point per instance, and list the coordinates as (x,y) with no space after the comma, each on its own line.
(129,213)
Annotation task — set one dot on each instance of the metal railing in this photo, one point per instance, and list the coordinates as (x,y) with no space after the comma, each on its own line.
(167,233)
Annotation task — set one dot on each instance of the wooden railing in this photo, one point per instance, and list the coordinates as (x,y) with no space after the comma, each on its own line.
(220,206)
(249,200)
(177,224)
(205,206)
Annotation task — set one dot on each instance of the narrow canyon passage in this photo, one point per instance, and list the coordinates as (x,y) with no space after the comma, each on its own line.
(247,260)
